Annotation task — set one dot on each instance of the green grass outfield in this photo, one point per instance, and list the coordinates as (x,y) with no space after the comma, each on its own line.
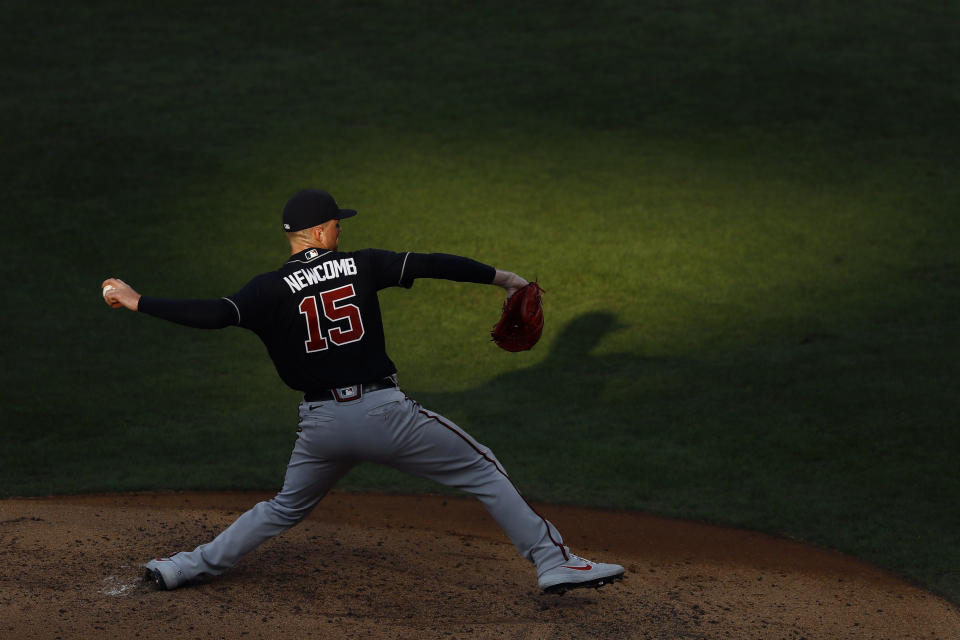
(745,216)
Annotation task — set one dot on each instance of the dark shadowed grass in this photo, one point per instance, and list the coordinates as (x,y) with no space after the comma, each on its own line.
(744,217)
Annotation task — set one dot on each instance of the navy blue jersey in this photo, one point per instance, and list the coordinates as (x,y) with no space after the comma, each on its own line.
(319,315)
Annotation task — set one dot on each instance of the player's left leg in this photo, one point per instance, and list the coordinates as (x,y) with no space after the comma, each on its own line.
(309,477)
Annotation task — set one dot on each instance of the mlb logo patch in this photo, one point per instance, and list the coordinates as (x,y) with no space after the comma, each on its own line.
(310,255)
(286,226)
(345,394)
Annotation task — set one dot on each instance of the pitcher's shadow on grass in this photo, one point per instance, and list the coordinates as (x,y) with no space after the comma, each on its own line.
(571,400)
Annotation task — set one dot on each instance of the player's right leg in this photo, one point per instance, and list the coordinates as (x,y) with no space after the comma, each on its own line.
(437,449)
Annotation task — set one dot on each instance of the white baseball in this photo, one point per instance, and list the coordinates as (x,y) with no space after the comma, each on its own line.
(107,289)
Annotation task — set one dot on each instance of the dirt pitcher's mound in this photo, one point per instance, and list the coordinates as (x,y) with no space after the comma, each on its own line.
(370,566)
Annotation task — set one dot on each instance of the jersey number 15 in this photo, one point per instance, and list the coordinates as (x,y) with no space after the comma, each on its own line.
(350,327)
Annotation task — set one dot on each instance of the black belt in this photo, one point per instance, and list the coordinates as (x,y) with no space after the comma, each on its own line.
(352,392)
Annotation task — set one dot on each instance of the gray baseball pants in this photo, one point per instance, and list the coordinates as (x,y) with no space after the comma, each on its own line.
(386,427)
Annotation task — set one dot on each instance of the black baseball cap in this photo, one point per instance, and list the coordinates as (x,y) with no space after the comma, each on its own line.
(310,207)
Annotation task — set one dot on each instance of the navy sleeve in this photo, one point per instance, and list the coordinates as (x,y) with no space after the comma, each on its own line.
(447,267)
(199,314)
(387,266)
(401,269)
(254,304)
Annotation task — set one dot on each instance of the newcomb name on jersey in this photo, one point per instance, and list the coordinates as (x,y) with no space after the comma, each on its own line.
(320,273)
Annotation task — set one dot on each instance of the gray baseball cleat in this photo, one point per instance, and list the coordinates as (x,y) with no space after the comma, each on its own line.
(165,573)
(578,572)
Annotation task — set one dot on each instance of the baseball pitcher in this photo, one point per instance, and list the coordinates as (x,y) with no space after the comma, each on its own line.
(319,317)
